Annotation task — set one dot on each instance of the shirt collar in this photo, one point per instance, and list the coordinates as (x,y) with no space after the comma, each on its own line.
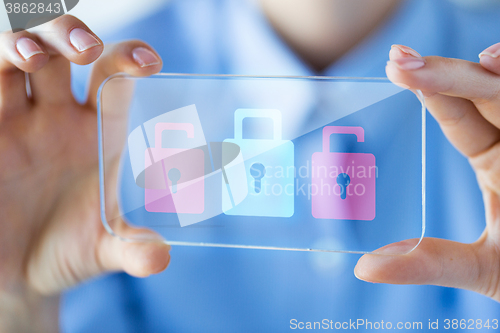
(254,48)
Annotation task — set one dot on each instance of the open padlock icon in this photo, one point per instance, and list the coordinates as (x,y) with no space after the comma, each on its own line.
(343,183)
(174,177)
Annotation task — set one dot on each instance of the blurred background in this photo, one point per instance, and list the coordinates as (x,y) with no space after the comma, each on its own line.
(105,16)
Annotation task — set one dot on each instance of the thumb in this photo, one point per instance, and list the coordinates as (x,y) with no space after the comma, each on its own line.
(435,261)
(148,254)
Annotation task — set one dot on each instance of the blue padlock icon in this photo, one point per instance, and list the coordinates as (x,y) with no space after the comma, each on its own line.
(262,182)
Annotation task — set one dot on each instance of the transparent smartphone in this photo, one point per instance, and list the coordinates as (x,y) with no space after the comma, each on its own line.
(290,163)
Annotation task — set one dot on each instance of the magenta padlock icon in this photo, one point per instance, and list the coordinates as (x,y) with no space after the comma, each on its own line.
(174,177)
(343,184)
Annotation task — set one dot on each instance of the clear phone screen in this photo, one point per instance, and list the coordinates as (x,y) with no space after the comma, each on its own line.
(263,162)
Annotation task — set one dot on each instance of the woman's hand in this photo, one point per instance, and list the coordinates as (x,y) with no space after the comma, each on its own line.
(51,233)
(464,97)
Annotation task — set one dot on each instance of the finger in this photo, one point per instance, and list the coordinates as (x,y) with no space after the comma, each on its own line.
(19,53)
(139,252)
(13,95)
(490,58)
(148,255)
(68,40)
(23,51)
(459,118)
(59,262)
(435,261)
(133,57)
(462,124)
(51,85)
(451,77)
(71,38)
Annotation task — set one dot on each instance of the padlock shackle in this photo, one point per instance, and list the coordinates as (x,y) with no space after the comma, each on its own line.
(329,130)
(241,114)
(160,127)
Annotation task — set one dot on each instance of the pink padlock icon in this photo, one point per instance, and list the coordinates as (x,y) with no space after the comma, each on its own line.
(343,184)
(174,177)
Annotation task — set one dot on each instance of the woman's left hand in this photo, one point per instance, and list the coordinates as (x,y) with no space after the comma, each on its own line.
(464,97)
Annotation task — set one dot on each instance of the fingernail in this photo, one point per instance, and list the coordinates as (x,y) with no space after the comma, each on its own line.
(82,40)
(27,48)
(407,50)
(397,248)
(492,51)
(407,64)
(145,57)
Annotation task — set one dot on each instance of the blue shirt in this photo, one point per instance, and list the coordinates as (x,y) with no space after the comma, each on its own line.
(219,290)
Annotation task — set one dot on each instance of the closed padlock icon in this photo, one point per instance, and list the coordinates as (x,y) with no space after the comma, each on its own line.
(262,183)
(343,184)
(174,177)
